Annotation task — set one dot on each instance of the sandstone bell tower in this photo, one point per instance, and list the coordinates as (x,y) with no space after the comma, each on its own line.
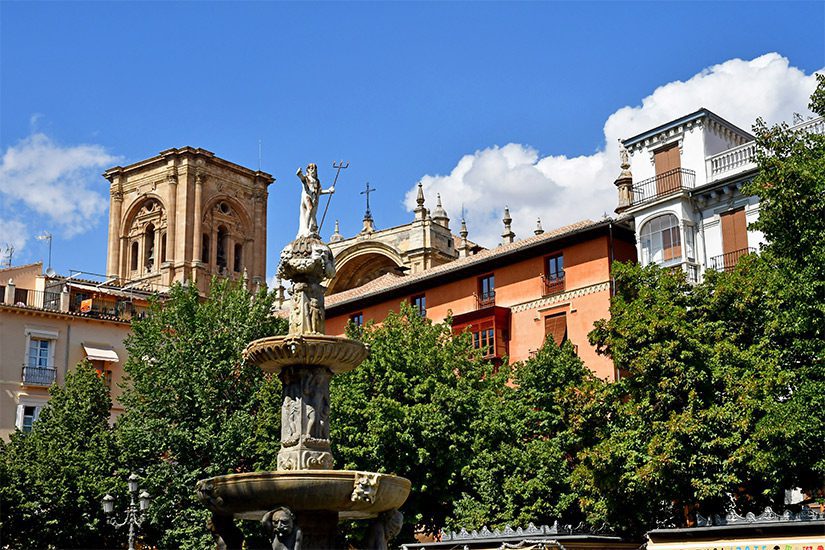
(186,215)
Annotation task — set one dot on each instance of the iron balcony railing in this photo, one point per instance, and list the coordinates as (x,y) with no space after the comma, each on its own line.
(661,185)
(36,298)
(552,284)
(485,299)
(39,376)
(728,260)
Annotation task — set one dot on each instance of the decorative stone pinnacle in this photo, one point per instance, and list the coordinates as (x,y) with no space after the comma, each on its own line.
(508,234)
(336,235)
(420,199)
(463,231)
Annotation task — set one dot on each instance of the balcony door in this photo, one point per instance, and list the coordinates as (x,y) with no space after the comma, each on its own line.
(734,237)
(668,176)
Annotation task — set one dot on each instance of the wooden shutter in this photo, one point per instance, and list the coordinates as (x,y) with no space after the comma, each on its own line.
(556,325)
(734,236)
(667,159)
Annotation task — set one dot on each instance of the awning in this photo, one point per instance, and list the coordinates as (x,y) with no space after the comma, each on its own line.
(101,352)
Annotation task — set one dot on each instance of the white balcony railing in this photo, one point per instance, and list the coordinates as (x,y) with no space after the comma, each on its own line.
(741,158)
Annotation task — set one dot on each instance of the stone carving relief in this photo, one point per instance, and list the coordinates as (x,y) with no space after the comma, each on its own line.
(366,486)
(383,529)
(282,530)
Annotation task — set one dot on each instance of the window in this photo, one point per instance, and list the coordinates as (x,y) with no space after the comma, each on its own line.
(134,262)
(205,248)
(238,258)
(149,247)
(556,326)
(419,304)
(27,415)
(223,239)
(668,173)
(484,339)
(103,372)
(163,248)
(554,274)
(357,319)
(661,240)
(486,290)
(39,367)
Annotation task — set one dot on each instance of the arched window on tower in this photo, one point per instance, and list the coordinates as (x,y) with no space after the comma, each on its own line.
(134,258)
(223,239)
(163,247)
(238,259)
(205,248)
(661,241)
(149,247)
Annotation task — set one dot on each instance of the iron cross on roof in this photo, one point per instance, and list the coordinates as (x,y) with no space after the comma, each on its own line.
(367,192)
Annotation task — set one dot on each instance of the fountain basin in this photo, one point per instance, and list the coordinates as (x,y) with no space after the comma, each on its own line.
(251,495)
(337,353)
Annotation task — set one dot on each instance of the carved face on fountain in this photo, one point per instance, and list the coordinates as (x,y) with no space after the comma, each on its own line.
(283,522)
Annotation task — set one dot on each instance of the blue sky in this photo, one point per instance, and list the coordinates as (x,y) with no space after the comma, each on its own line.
(486,103)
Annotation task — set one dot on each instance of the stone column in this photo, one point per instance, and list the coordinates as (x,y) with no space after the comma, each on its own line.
(230,255)
(305,419)
(197,238)
(115,211)
(171,216)
(9,297)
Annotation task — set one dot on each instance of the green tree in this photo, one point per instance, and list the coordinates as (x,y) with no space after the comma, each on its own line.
(408,410)
(520,467)
(191,402)
(52,478)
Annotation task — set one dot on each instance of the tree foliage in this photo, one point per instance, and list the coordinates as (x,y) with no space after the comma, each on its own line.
(408,408)
(53,477)
(191,402)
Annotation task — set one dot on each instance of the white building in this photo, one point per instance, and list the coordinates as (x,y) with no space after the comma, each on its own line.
(681,182)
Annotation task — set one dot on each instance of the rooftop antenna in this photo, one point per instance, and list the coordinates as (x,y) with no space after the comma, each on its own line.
(367,192)
(338,166)
(46,236)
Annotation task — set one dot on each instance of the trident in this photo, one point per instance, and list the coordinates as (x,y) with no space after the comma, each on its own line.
(338,166)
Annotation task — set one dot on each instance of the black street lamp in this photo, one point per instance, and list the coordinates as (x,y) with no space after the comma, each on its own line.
(135,513)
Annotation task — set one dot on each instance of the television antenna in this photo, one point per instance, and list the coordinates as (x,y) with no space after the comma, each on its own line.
(46,236)
(338,166)
(8,252)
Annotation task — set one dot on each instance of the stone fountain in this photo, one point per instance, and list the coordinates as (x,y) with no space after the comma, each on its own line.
(300,503)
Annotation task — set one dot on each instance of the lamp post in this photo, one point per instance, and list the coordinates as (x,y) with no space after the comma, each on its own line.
(135,513)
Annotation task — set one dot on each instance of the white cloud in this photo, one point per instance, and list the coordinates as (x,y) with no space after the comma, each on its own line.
(60,183)
(562,189)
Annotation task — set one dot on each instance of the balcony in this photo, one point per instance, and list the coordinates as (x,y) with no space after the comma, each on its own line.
(743,157)
(485,299)
(662,185)
(39,376)
(728,260)
(24,297)
(552,285)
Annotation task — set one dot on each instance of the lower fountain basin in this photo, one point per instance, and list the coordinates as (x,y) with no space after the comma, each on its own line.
(353,494)
(337,353)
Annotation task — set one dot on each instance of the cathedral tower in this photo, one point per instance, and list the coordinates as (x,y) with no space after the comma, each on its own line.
(186,215)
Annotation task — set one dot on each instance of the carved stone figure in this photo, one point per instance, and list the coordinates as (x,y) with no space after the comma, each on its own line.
(310,196)
(280,526)
(383,529)
(366,485)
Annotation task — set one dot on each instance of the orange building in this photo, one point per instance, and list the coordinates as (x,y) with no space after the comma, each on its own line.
(510,297)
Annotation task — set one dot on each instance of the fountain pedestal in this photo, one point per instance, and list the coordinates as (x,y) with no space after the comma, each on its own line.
(301,502)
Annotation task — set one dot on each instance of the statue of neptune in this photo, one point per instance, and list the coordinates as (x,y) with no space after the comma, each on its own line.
(310,196)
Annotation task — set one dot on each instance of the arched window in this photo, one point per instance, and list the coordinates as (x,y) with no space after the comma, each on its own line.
(163,247)
(661,240)
(149,247)
(223,238)
(205,248)
(238,258)
(134,258)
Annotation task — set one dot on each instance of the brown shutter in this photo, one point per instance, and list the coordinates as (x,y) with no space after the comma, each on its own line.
(667,159)
(734,236)
(556,325)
